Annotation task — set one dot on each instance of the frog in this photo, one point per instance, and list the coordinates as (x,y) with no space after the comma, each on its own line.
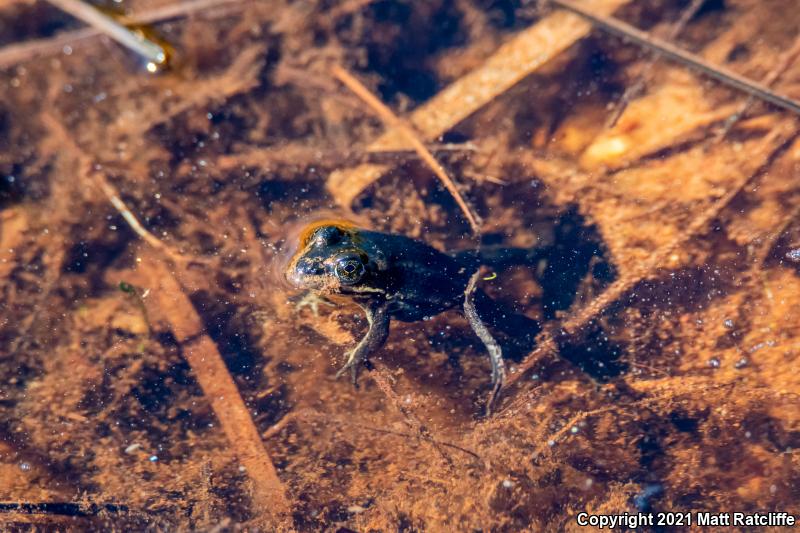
(395,277)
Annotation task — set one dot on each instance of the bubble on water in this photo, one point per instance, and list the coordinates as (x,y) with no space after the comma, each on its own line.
(728,323)
(714,362)
(793,255)
(574,429)
(25,467)
(741,363)
(153,458)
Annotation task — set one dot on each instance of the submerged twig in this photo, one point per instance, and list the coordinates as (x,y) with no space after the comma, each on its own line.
(722,74)
(634,89)
(784,62)
(17,53)
(394,121)
(301,153)
(151,51)
(133,222)
(380,375)
(327,418)
(520,56)
(199,350)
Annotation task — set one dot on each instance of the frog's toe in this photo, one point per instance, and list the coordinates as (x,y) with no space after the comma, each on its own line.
(351,365)
(312,301)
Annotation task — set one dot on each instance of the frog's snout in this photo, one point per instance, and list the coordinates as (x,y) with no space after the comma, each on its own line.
(305,271)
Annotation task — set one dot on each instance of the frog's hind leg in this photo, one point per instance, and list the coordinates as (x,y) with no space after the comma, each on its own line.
(378,318)
(492,346)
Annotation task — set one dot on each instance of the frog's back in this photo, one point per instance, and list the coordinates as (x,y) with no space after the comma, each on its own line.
(419,280)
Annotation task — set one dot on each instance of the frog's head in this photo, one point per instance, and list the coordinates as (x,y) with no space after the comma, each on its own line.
(331,258)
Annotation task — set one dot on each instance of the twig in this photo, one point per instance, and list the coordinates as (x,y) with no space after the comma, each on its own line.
(169,299)
(775,142)
(180,9)
(784,62)
(512,62)
(722,74)
(315,415)
(633,90)
(380,374)
(143,46)
(393,121)
(301,153)
(122,208)
(17,53)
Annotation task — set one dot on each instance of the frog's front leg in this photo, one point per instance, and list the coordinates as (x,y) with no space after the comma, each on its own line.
(378,318)
(312,300)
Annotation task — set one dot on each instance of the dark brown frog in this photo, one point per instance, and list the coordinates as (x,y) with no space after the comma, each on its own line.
(393,276)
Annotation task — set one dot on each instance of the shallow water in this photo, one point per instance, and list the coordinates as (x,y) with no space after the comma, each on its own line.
(157,371)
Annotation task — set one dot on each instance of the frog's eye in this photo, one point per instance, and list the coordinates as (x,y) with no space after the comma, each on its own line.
(349,269)
(327,235)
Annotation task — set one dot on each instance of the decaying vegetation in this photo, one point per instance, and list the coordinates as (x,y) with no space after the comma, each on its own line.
(154,369)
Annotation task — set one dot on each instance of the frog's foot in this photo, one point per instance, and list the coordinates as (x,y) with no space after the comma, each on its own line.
(353,364)
(311,300)
(498,380)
